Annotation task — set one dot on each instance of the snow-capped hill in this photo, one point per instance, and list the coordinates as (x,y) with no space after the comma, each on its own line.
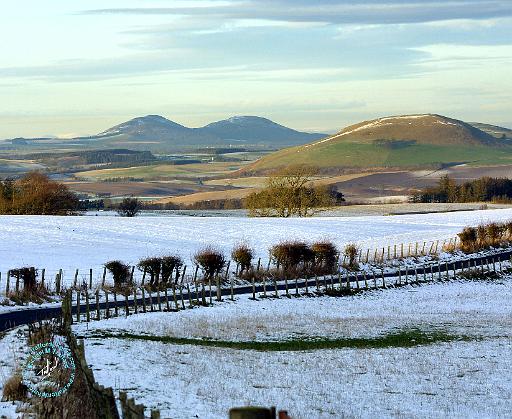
(255,128)
(421,140)
(242,129)
(146,126)
(422,128)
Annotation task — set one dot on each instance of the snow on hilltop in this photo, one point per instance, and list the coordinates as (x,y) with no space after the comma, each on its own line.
(429,128)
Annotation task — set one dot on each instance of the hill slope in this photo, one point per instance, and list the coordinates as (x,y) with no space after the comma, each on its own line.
(495,131)
(397,141)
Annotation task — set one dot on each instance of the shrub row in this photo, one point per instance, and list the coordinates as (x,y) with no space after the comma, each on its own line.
(484,236)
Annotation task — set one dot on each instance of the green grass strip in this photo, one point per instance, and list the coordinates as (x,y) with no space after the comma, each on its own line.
(401,339)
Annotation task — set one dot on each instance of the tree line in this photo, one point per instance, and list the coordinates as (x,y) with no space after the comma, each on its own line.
(484,189)
(36,194)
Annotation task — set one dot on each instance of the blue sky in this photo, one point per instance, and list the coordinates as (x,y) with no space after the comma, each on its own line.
(78,67)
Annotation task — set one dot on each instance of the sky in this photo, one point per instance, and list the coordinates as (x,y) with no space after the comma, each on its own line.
(78,67)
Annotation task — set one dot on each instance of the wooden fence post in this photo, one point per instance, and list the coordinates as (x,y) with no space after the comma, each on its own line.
(182,299)
(150,292)
(383,279)
(17,282)
(42,277)
(190,302)
(126,305)
(135,305)
(175,299)
(374,280)
(87,308)
(90,278)
(78,306)
(107,311)
(7,283)
(98,314)
(253,288)
(365,280)
(116,310)
(104,276)
(143,300)
(167,298)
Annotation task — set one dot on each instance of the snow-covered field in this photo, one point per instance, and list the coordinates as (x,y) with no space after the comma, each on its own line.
(88,242)
(461,379)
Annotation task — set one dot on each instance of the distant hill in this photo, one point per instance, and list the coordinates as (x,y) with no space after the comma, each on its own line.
(256,129)
(495,131)
(156,133)
(406,141)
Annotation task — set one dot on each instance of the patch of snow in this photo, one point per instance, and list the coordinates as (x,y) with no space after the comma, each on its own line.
(375,123)
(71,243)
(457,379)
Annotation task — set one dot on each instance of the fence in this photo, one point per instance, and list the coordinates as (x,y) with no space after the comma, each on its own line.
(57,281)
(104,304)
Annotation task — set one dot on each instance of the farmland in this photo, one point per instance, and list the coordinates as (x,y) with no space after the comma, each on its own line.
(471,320)
(371,354)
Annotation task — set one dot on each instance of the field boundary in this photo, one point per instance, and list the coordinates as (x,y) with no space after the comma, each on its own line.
(179,297)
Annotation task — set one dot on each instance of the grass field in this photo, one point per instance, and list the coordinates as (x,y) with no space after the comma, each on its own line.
(354,154)
(160,171)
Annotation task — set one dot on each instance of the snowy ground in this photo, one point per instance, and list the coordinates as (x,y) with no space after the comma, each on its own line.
(88,242)
(457,379)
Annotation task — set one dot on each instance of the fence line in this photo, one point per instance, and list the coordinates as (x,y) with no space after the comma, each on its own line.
(114,304)
(59,280)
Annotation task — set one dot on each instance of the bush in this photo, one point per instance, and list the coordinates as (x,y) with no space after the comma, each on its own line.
(242,254)
(28,276)
(129,207)
(151,266)
(210,260)
(494,233)
(351,252)
(508,230)
(36,194)
(325,256)
(292,256)
(120,272)
(481,235)
(468,239)
(14,389)
(169,264)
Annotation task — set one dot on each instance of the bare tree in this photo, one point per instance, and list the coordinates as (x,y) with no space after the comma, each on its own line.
(129,207)
(289,192)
